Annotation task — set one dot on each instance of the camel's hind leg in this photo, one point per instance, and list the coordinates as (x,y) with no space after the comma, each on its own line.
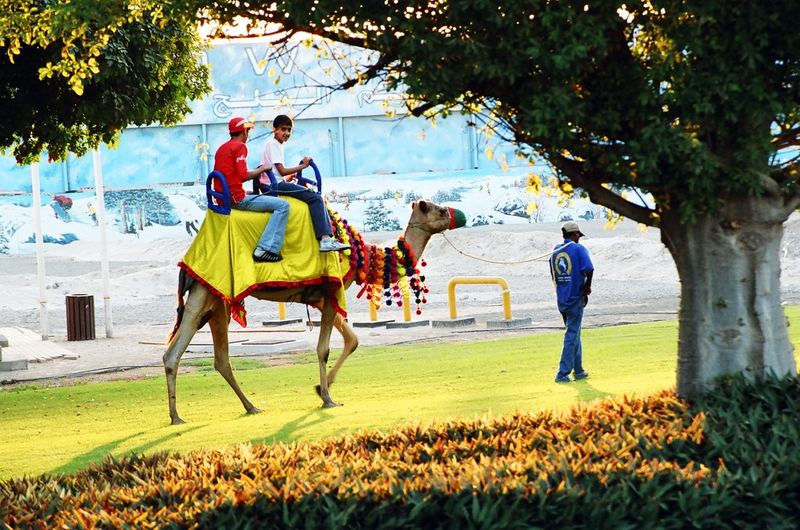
(200,303)
(350,345)
(323,351)
(220,320)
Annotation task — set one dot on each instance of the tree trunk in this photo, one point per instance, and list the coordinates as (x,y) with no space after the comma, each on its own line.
(731,319)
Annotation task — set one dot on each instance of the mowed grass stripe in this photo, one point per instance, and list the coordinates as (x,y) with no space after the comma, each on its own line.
(68,428)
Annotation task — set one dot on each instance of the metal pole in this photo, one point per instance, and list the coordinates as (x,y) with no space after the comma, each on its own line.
(36,196)
(101,224)
(205,162)
(343,166)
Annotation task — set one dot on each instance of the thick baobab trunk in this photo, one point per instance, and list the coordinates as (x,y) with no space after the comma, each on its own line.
(731,319)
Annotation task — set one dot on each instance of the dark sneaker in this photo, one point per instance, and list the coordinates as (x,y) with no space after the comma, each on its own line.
(329,244)
(564,379)
(265,256)
(582,375)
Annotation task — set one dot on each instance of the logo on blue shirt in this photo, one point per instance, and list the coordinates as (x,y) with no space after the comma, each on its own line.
(563,266)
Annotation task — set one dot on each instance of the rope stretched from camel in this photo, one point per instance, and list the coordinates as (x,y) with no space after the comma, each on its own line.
(537,258)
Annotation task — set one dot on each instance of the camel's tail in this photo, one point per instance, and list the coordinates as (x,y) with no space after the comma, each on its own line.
(184,284)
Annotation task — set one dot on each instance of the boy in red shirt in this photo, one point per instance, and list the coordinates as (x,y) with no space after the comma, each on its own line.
(231,160)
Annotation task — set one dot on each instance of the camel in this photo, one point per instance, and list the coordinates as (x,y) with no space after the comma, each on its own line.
(202,306)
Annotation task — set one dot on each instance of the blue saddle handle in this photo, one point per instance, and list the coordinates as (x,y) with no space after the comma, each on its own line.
(224,196)
(302,180)
(263,189)
(258,187)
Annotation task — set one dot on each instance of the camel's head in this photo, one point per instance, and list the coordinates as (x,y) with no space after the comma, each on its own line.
(435,218)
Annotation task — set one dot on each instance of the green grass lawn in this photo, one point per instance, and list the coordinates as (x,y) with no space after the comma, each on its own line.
(65,429)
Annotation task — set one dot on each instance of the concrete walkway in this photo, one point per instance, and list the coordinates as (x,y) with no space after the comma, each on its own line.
(22,347)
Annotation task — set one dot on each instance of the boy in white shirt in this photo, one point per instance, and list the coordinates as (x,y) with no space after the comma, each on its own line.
(273,156)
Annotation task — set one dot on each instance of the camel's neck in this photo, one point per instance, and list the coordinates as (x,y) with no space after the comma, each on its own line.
(417,238)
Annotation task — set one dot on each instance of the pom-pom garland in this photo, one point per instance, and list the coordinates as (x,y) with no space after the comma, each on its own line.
(387,274)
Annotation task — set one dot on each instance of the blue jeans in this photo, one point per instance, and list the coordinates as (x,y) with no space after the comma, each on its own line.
(272,237)
(316,206)
(572,352)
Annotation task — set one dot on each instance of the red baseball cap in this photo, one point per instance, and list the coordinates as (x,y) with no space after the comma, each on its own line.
(238,124)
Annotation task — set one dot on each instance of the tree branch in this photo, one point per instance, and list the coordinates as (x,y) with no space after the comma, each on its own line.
(770,185)
(787,138)
(598,194)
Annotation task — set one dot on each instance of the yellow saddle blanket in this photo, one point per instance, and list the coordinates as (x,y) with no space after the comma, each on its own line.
(221,258)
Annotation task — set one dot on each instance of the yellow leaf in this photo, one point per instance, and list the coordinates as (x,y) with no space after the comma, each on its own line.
(489,153)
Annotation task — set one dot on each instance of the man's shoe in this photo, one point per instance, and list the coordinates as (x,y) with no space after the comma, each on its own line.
(582,375)
(265,256)
(564,379)
(329,244)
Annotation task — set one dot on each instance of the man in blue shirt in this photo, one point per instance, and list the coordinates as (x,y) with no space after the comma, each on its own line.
(571,269)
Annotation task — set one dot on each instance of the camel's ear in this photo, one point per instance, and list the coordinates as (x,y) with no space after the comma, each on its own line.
(424,206)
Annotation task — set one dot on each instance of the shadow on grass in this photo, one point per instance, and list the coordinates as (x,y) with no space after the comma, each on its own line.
(93,456)
(586,392)
(289,431)
(99,453)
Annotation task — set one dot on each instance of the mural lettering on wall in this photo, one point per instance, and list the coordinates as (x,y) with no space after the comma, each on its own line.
(379,93)
(224,105)
(298,91)
(258,79)
(285,61)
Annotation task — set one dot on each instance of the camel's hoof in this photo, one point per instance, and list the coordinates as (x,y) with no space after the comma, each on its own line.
(331,405)
(177,421)
(255,410)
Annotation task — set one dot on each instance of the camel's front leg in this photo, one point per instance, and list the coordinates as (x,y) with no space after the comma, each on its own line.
(220,320)
(199,303)
(323,350)
(350,345)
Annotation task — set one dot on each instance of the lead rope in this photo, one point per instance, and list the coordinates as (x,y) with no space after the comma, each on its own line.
(537,258)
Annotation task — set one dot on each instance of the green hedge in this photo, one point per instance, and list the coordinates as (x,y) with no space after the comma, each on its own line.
(730,460)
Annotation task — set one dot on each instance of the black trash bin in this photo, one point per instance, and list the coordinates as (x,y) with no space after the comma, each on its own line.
(80,317)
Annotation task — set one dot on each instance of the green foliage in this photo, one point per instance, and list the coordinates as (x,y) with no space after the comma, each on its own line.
(139,70)
(730,460)
(689,101)
(694,102)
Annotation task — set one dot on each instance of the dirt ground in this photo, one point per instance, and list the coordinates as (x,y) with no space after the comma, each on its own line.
(635,281)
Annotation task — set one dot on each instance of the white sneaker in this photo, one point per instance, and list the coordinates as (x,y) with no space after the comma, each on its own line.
(329,244)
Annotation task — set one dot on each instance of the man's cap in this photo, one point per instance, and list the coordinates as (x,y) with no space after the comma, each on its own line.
(238,124)
(571,226)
